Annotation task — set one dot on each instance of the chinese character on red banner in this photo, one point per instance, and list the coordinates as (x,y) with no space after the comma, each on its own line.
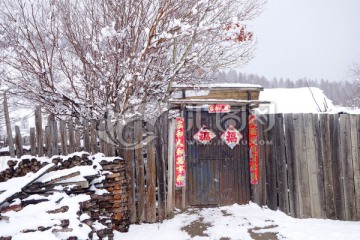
(180,163)
(204,136)
(231,136)
(219,108)
(254,158)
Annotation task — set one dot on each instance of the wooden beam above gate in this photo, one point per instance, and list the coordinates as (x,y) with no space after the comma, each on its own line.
(232,102)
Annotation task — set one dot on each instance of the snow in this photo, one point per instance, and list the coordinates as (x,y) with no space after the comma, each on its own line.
(296,100)
(84,171)
(18,183)
(219,85)
(234,222)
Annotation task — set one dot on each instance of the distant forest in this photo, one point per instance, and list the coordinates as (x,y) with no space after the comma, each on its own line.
(341,93)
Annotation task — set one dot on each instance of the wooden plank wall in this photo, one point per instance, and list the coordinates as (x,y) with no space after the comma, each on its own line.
(309,165)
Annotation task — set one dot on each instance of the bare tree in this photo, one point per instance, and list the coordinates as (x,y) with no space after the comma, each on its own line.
(85,57)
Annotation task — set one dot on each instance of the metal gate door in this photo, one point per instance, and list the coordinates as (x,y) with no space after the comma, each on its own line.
(217,174)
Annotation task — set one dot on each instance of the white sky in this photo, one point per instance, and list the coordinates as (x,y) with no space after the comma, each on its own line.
(307,38)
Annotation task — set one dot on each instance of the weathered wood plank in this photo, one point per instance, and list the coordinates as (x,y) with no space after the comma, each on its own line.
(291,165)
(71,136)
(312,166)
(8,127)
(93,138)
(271,188)
(129,157)
(354,127)
(160,130)
(336,166)
(53,135)
(86,135)
(319,158)
(139,166)
(170,204)
(39,131)
(32,142)
(327,166)
(63,137)
(302,167)
(77,136)
(282,184)
(48,141)
(347,167)
(18,142)
(150,175)
(261,186)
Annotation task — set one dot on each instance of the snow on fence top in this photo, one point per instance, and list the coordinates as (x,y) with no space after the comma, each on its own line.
(296,100)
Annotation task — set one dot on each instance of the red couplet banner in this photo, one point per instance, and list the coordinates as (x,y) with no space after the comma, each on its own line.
(254,157)
(180,164)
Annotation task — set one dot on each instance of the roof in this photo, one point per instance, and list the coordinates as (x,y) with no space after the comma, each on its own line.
(218,86)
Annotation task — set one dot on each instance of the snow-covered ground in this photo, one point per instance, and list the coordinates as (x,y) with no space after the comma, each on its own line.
(243,222)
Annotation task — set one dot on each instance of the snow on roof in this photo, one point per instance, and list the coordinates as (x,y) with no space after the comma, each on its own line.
(296,100)
(217,85)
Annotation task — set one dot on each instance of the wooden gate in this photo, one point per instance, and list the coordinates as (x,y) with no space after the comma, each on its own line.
(216,174)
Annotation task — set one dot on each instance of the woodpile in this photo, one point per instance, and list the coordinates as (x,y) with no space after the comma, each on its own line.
(106,185)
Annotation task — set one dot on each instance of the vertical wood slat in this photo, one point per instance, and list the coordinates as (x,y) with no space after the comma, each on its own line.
(356,167)
(282,182)
(291,165)
(271,169)
(336,165)
(327,166)
(63,137)
(39,132)
(86,135)
(77,136)
(160,128)
(356,163)
(53,129)
(150,175)
(139,166)
(71,136)
(170,204)
(262,171)
(301,167)
(18,142)
(32,142)
(347,167)
(320,167)
(8,127)
(93,139)
(312,166)
(129,157)
(48,141)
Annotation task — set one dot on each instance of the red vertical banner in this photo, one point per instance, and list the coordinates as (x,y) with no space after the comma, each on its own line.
(180,163)
(254,157)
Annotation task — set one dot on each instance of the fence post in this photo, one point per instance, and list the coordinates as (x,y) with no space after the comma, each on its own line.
(53,135)
(48,141)
(32,142)
(18,142)
(150,176)
(39,131)
(129,157)
(71,136)
(8,127)
(77,136)
(139,163)
(86,135)
(94,147)
(170,204)
(63,137)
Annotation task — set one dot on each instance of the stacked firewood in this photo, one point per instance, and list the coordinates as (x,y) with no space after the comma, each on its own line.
(107,190)
(26,165)
(109,209)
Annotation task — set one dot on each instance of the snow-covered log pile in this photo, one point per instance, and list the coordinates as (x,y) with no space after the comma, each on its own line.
(74,197)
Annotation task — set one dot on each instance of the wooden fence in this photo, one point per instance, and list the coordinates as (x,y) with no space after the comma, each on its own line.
(311,168)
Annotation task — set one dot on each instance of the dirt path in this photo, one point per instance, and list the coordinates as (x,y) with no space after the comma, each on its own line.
(198,228)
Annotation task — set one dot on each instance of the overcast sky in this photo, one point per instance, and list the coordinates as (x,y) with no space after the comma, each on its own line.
(307,38)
